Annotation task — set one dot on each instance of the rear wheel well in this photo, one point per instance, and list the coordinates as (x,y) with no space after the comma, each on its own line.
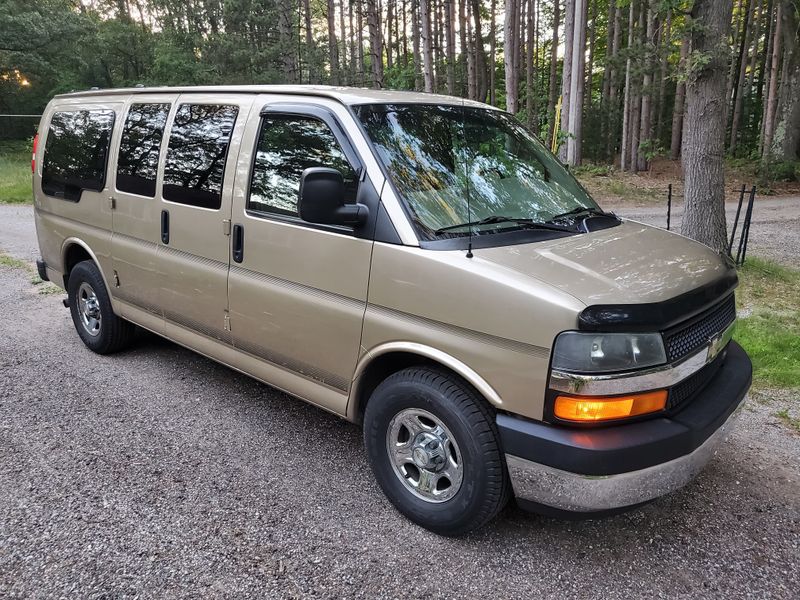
(74,254)
(387,364)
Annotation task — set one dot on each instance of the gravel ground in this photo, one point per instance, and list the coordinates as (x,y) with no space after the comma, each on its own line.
(774,231)
(157,473)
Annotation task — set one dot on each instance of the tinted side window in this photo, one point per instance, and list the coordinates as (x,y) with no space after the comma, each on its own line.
(76,152)
(287,145)
(198,146)
(139,147)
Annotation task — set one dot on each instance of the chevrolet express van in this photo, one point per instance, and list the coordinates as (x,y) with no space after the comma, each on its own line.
(416,263)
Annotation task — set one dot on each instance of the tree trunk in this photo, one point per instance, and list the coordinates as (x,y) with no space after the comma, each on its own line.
(645,131)
(493,53)
(415,27)
(765,68)
(590,65)
(375,45)
(738,92)
(389,44)
(427,45)
(612,107)
(551,96)
(343,67)
(754,54)
(772,88)
(530,27)
(786,135)
(510,37)
(310,51)
(624,163)
(354,65)
(566,77)
(450,29)
(636,103)
(680,104)
(360,46)
(575,139)
(704,130)
(288,47)
(480,56)
(333,46)
(664,50)
(732,72)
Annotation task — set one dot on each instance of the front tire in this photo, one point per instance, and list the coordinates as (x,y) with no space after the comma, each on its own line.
(433,446)
(100,329)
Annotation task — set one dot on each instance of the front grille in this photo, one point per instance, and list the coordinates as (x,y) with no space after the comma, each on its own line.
(683,340)
(692,385)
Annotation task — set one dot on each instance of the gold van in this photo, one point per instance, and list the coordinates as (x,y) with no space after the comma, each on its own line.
(416,263)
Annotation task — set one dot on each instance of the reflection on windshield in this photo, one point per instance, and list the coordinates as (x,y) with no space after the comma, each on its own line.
(438,156)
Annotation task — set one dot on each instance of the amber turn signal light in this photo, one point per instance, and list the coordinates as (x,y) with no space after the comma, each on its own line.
(603,408)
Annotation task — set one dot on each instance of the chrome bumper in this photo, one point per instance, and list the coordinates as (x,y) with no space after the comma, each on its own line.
(573,492)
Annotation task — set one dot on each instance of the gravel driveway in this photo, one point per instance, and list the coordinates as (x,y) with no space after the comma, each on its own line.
(157,473)
(774,231)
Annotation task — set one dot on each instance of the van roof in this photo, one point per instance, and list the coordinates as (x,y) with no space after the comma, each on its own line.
(345,95)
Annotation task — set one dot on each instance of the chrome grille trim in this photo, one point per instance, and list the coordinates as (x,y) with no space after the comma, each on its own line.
(610,384)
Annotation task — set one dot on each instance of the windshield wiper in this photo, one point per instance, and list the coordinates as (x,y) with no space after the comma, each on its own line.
(580,211)
(527,223)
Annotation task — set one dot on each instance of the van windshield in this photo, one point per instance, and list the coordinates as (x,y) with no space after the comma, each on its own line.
(439,155)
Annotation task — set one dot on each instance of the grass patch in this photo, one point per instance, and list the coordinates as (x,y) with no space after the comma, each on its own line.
(13,263)
(769,322)
(15,172)
(791,421)
(43,288)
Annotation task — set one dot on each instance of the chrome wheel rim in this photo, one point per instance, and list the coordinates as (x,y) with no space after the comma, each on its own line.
(89,309)
(424,455)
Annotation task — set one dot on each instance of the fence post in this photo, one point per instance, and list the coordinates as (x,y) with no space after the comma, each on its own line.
(669,205)
(748,215)
(736,220)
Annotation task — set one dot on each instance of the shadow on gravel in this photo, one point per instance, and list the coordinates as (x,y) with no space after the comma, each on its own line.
(336,446)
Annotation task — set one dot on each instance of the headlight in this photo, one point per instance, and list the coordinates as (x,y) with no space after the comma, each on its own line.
(581,352)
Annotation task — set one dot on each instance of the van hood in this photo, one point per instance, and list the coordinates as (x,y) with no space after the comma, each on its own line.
(631,263)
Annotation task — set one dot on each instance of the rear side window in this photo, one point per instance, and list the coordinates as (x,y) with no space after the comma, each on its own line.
(288,145)
(139,147)
(76,152)
(198,147)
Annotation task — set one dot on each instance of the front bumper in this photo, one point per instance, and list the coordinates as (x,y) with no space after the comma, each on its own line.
(598,470)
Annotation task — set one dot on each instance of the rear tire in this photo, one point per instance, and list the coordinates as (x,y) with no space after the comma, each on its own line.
(100,329)
(433,445)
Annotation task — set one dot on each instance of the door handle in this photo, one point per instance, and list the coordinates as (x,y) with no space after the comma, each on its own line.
(238,243)
(165,226)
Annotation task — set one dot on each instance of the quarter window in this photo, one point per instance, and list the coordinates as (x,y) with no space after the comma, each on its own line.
(76,152)
(139,148)
(287,145)
(198,147)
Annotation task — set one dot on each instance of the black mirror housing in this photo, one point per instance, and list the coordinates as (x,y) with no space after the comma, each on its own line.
(321,199)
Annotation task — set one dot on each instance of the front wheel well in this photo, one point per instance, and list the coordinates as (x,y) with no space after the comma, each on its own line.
(74,254)
(387,364)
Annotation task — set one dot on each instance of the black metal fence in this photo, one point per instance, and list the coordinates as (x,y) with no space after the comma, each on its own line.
(744,234)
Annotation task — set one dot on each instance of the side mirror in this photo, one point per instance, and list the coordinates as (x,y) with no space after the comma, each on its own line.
(321,199)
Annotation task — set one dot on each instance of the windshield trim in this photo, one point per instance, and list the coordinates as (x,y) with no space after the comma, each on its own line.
(477,239)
